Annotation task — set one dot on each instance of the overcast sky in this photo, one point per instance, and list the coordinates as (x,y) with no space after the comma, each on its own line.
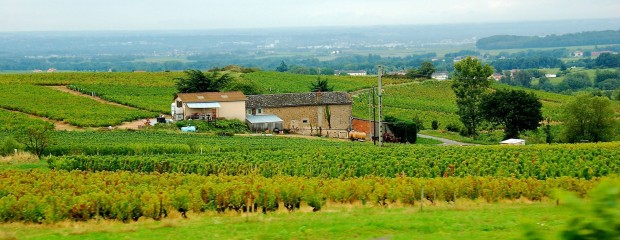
(55,15)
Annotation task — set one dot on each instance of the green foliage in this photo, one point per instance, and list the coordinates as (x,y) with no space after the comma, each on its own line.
(198,81)
(516,110)
(57,105)
(470,83)
(598,219)
(54,196)
(8,146)
(150,98)
(405,132)
(608,60)
(228,125)
(321,86)
(275,82)
(282,68)
(245,86)
(588,118)
(435,125)
(13,122)
(270,158)
(571,39)
(425,71)
(575,81)
(37,138)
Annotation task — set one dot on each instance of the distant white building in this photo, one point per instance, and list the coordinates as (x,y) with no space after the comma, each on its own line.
(549,75)
(513,141)
(578,54)
(350,73)
(440,75)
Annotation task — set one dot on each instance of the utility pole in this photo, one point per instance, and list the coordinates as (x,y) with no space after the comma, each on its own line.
(379,92)
(374,117)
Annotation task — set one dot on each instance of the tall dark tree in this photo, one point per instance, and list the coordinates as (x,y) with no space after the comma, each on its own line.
(282,68)
(471,82)
(321,86)
(198,81)
(516,110)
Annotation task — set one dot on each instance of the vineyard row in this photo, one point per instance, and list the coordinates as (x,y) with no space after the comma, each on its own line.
(541,162)
(38,196)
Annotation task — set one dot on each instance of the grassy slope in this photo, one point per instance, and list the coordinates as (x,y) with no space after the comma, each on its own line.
(463,220)
(275,82)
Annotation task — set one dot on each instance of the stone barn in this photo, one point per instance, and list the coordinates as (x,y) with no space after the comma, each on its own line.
(313,113)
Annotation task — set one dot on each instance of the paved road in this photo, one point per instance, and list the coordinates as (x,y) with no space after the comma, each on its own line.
(446,142)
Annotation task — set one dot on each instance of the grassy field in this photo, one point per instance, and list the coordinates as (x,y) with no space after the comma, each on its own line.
(462,220)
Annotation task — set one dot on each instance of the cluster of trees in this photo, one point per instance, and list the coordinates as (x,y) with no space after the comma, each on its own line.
(522,78)
(586,118)
(527,62)
(425,71)
(572,39)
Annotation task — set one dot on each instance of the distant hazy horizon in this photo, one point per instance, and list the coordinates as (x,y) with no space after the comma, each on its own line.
(79,15)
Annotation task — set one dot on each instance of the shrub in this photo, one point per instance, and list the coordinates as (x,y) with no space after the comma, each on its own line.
(435,125)
(453,127)
(8,146)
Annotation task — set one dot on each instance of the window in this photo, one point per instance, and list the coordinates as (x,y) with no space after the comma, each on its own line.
(259,111)
(248,111)
(179,104)
(305,120)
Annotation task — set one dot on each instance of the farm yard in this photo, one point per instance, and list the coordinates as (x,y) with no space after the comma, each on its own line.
(92,182)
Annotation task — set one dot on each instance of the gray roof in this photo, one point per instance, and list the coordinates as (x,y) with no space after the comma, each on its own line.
(263,118)
(298,99)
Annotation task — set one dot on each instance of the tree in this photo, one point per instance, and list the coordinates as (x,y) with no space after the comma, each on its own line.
(516,110)
(522,78)
(404,131)
(588,118)
(320,86)
(545,84)
(427,69)
(198,81)
(471,81)
(602,75)
(608,60)
(282,68)
(616,95)
(577,80)
(37,138)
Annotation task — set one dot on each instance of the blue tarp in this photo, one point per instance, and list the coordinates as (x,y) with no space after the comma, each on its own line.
(188,129)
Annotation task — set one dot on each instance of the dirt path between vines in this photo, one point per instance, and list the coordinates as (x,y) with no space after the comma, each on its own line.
(58,125)
(64,126)
(98,99)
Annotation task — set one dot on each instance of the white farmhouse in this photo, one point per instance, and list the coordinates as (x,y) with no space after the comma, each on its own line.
(209,106)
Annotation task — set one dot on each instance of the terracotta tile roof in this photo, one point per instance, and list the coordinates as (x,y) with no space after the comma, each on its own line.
(298,99)
(211,97)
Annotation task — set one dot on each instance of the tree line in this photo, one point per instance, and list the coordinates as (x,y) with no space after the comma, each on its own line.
(571,39)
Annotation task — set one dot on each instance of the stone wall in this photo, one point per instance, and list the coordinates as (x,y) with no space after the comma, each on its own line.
(312,120)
